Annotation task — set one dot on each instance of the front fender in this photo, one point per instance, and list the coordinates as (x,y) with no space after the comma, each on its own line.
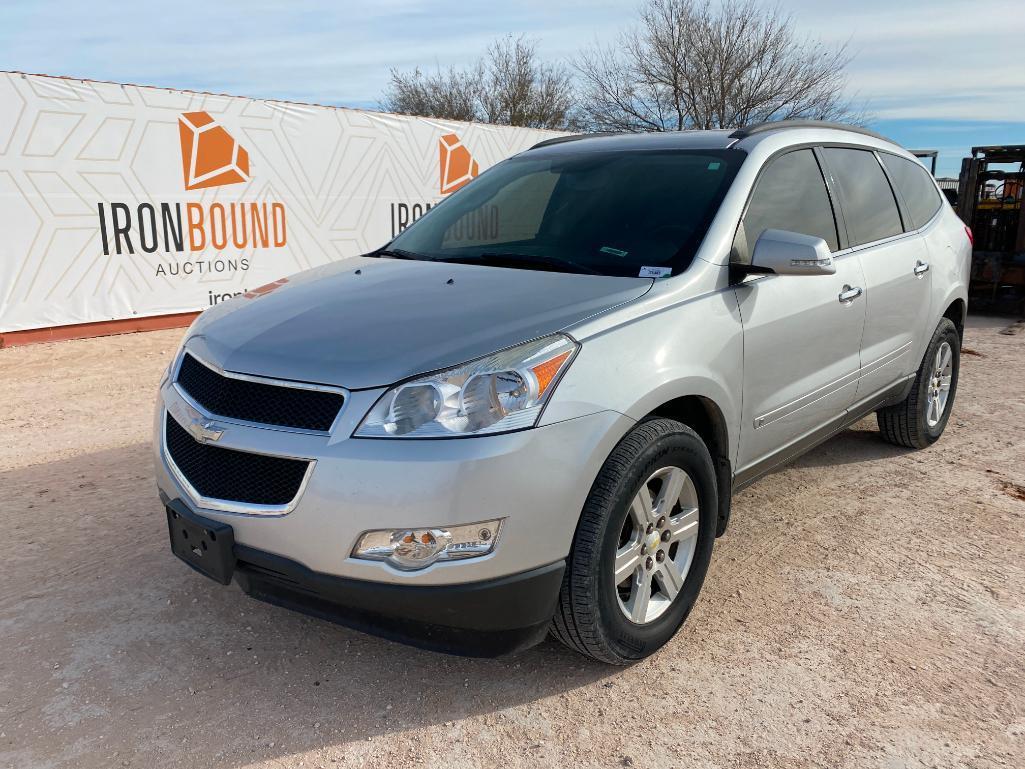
(692,348)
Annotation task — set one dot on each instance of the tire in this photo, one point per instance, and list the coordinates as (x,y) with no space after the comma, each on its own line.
(591,616)
(912,423)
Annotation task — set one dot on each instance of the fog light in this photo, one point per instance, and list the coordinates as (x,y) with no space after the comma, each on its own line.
(411,549)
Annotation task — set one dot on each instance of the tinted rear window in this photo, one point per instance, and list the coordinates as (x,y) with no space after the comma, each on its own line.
(870,210)
(921,199)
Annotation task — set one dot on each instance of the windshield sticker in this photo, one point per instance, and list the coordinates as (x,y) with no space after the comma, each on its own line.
(613,251)
(713,166)
(656,272)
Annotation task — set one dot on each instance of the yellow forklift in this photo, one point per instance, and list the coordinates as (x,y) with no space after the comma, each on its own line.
(990,201)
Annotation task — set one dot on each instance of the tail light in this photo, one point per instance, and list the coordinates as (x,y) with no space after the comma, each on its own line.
(971,237)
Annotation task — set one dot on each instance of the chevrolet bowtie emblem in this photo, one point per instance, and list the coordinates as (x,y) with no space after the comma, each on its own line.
(205,431)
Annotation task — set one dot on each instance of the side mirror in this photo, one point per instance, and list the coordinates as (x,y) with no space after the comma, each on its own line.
(790,253)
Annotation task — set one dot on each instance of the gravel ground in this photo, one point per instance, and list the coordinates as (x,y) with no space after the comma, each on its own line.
(864,609)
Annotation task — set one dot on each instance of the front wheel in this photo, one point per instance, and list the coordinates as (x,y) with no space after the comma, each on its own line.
(642,546)
(919,420)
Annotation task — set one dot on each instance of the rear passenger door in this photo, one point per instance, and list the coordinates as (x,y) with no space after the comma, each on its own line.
(802,334)
(895,264)
(921,203)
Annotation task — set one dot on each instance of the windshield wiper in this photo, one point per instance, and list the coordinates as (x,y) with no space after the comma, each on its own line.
(399,253)
(504,259)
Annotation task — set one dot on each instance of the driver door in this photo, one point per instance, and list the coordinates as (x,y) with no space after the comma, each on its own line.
(802,334)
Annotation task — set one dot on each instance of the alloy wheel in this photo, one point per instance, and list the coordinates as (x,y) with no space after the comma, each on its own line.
(656,545)
(939,385)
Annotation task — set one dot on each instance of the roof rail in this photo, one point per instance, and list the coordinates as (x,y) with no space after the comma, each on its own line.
(571,138)
(758,128)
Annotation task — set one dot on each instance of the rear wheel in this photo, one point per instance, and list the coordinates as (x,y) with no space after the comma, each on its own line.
(642,547)
(919,420)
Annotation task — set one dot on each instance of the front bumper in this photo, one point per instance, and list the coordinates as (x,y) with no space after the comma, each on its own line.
(480,619)
(535,480)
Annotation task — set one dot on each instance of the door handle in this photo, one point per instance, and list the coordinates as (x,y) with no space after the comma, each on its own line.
(849,294)
(921,268)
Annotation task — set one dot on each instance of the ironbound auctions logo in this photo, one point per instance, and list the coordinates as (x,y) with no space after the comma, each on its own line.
(211,157)
(456,167)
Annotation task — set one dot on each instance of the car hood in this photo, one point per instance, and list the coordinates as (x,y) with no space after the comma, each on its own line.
(370,322)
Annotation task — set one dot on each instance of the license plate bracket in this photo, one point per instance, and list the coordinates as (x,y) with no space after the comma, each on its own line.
(206,545)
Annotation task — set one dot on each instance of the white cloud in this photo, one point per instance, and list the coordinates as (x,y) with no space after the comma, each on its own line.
(936,59)
(947,59)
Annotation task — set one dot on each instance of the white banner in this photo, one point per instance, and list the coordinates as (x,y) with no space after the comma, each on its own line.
(122,201)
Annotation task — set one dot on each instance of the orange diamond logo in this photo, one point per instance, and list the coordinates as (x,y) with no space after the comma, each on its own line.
(210,155)
(457,166)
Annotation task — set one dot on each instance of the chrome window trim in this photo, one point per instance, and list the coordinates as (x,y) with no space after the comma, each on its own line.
(258,380)
(875,244)
(930,223)
(839,211)
(225,505)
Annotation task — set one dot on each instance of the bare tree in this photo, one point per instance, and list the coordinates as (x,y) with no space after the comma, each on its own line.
(698,65)
(452,94)
(509,85)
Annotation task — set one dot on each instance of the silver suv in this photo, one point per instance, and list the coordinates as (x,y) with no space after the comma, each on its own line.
(528,412)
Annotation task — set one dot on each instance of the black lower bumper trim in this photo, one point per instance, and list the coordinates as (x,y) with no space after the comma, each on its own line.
(479,619)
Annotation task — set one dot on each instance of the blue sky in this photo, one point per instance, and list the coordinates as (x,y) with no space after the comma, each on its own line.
(934,74)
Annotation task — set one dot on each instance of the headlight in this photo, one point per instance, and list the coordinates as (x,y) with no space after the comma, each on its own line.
(180,350)
(411,549)
(501,392)
(169,372)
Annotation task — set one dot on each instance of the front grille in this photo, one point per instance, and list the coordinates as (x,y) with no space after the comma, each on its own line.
(269,404)
(233,476)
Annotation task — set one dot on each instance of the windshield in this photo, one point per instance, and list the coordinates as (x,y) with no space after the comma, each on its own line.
(636,213)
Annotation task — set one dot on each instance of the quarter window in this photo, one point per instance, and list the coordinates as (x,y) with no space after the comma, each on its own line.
(870,209)
(790,195)
(920,196)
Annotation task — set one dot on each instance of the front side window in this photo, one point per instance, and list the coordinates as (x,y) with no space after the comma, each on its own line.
(790,195)
(916,187)
(610,213)
(870,209)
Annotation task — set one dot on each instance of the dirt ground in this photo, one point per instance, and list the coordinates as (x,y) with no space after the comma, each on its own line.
(864,609)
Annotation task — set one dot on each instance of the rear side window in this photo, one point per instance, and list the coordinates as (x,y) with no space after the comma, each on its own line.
(920,196)
(790,195)
(870,209)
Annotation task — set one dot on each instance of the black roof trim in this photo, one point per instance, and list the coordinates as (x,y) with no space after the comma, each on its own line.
(572,138)
(758,128)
